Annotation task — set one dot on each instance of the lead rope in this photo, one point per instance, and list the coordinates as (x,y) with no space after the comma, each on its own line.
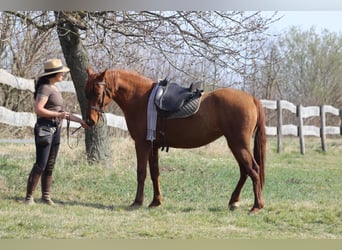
(73,132)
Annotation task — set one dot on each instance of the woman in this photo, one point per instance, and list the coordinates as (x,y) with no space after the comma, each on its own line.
(48,105)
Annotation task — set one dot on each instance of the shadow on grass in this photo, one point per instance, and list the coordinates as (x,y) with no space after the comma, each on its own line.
(61,203)
(19,199)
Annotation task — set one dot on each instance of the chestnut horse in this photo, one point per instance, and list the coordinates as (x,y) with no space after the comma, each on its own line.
(226,112)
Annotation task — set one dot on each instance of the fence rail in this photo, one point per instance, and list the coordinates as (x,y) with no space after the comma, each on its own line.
(300,129)
(28,119)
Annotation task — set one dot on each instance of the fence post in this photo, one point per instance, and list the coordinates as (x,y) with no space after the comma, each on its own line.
(341,121)
(322,130)
(279,127)
(300,129)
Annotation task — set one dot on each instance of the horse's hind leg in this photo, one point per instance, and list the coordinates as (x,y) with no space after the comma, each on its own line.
(235,198)
(257,188)
(248,167)
(154,171)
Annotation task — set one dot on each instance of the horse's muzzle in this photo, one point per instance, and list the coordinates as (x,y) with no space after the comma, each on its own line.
(90,122)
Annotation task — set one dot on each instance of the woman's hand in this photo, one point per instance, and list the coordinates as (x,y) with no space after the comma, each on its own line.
(84,124)
(63,115)
(77,119)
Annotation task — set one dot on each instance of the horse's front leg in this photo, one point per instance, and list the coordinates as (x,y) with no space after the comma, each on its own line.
(142,153)
(154,171)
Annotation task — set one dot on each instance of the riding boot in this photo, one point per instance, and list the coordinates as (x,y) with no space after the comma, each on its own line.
(32,182)
(46,189)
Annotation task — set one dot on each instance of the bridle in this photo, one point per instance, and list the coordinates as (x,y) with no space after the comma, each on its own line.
(106,91)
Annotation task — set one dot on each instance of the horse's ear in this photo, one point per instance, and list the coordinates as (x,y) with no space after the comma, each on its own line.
(90,71)
(102,75)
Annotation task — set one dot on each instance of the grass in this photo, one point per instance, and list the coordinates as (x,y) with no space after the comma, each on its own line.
(302,195)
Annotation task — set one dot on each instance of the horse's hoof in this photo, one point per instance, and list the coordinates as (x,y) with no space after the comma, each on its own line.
(136,204)
(254,210)
(234,206)
(155,204)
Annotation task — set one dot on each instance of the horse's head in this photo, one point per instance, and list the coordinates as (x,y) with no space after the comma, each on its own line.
(99,95)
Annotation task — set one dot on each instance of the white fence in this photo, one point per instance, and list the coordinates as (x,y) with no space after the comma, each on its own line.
(22,119)
(28,119)
(300,129)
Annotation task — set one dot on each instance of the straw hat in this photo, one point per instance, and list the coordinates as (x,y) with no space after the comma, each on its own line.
(53,66)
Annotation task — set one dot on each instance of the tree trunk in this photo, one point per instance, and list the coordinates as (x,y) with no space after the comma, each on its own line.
(76,57)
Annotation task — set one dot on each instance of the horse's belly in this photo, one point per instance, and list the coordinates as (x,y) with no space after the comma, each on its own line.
(185,134)
(189,142)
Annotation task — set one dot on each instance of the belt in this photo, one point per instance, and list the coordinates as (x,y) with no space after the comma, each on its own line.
(49,122)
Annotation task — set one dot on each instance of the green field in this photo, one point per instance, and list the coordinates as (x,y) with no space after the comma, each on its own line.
(302,195)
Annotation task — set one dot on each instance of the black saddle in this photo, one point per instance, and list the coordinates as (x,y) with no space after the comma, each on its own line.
(171,98)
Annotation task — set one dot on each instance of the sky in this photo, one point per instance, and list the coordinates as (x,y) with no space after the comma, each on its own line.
(331,20)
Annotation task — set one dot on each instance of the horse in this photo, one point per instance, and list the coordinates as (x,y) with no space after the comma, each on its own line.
(228,112)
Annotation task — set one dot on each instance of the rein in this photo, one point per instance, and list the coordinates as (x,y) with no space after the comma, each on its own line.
(73,132)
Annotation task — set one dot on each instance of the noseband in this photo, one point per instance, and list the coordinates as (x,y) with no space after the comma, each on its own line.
(106,91)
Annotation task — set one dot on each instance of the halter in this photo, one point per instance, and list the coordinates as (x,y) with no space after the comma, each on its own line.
(106,91)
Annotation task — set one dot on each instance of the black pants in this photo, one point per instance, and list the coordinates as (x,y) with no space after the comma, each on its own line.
(46,154)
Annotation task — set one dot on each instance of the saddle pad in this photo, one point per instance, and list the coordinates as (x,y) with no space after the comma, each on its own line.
(188,109)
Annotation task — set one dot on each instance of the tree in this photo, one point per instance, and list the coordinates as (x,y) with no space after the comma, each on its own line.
(208,46)
(211,44)
(76,58)
(311,67)
(264,83)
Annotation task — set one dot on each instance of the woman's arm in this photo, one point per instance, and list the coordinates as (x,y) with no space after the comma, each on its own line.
(75,118)
(39,109)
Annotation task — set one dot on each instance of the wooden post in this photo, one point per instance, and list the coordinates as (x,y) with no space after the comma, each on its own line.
(300,129)
(279,127)
(322,130)
(341,121)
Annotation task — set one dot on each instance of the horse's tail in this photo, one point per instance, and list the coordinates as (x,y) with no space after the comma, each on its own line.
(260,141)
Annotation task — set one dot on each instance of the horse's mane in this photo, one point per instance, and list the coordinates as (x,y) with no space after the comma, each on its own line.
(110,76)
(113,75)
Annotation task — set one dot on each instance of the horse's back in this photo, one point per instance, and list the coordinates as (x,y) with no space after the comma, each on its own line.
(231,97)
(229,103)
(223,111)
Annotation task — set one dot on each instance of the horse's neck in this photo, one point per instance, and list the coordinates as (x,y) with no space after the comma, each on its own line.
(132,92)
